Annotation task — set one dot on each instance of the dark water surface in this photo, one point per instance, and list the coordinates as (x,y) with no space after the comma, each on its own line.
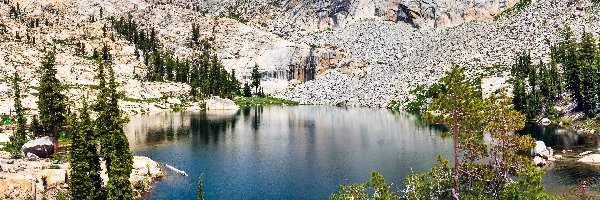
(306,152)
(301,152)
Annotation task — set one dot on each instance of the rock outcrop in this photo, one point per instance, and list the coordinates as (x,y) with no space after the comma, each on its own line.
(216,103)
(41,147)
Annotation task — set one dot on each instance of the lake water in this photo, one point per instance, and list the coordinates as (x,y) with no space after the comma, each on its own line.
(305,152)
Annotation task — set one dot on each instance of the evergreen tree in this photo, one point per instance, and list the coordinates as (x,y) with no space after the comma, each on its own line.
(256,77)
(459,108)
(519,95)
(588,88)
(51,102)
(19,137)
(247,90)
(119,159)
(200,189)
(567,54)
(35,128)
(84,177)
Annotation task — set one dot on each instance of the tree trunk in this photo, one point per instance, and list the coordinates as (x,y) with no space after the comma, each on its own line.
(55,139)
(456,165)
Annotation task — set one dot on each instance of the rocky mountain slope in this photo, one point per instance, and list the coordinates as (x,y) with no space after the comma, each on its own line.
(354,52)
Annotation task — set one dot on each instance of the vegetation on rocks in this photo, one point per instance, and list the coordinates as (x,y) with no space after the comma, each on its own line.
(203,71)
(522,4)
(573,70)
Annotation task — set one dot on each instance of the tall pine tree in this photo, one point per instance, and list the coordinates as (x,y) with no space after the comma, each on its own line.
(84,177)
(119,159)
(51,102)
(19,137)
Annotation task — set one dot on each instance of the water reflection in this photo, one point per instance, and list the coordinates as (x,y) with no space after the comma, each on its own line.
(302,152)
(559,138)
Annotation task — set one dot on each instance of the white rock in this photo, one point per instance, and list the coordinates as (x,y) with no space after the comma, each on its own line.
(590,159)
(216,103)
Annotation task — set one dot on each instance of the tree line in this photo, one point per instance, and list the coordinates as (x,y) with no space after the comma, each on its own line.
(204,72)
(538,87)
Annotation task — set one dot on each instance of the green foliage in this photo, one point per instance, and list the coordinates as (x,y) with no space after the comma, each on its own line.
(19,137)
(504,174)
(232,12)
(537,97)
(458,107)
(377,184)
(522,4)
(35,127)
(109,126)
(256,77)
(51,102)
(200,188)
(247,92)
(250,101)
(84,176)
(203,71)
(581,77)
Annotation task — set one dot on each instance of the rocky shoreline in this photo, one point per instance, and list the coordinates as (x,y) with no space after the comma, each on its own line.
(47,179)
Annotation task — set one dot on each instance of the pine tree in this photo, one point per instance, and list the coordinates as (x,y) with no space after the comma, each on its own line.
(588,88)
(35,128)
(519,95)
(200,189)
(19,137)
(116,147)
(459,108)
(84,177)
(567,54)
(247,90)
(256,76)
(51,103)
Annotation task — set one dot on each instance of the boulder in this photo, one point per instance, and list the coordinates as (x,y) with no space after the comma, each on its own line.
(217,103)
(539,161)
(41,147)
(540,149)
(590,159)
(55,176)
(545,121)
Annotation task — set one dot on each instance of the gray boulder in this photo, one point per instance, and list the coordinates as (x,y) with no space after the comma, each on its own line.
(41,147)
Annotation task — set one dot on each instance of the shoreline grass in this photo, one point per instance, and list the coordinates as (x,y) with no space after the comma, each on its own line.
(250,101)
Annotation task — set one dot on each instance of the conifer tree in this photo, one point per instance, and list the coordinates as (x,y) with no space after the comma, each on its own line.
(459,108)
(51,103)
(84,177)
(247,90)
(19,137)
(116,147)
(34,128)
(256,76)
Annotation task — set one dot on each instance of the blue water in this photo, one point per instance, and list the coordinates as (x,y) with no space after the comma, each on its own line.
(302,152)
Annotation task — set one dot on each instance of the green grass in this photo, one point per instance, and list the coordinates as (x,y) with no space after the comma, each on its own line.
(250,101)
(149,100)
(54,167)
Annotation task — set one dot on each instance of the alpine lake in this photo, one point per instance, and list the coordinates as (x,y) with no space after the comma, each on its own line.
(307,152)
